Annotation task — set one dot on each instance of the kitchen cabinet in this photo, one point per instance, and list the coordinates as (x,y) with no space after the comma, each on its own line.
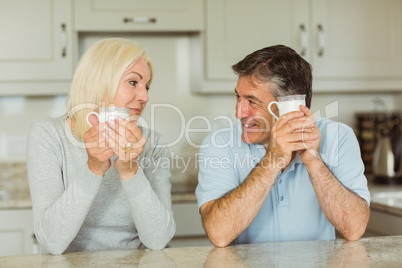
(232,31)
(17,232)
(352,45)
(189,230)
(139,15)
(35,51)
(385,209)
(382,223)
(356,44)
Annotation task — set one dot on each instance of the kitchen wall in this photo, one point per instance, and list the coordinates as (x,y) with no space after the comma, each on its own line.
(171,101)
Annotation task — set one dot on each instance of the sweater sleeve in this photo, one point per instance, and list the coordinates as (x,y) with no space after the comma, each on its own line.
(59,210)
(149,197)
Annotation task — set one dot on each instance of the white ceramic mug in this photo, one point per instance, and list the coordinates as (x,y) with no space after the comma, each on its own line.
(110,114)
(287,104)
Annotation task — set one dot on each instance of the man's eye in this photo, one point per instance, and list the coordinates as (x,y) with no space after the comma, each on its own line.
(252,103)
(237,97)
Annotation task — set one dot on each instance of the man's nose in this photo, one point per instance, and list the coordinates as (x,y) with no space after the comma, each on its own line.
(242,110)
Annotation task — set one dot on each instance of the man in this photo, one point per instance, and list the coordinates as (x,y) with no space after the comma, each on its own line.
(284,180)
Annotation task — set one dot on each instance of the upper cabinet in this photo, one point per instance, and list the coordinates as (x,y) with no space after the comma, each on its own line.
(138,15)
(35,51)
(235,28)
(352,45)
(356,44)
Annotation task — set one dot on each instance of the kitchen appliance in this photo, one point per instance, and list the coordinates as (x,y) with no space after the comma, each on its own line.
(387,158)
(379,136)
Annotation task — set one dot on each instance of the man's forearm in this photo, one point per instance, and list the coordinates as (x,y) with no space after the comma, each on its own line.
(226,218)
(347,212)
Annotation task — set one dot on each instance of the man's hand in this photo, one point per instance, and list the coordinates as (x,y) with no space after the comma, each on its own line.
(294,131)
(312,152)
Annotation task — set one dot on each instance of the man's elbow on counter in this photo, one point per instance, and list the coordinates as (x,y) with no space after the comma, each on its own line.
(218,241)
(354,235)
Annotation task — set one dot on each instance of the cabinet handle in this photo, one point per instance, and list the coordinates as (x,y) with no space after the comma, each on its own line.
(321,40)
(63,40)
(139,20)
(303,40)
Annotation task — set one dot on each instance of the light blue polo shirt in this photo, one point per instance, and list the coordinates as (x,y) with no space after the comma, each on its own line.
(291,210)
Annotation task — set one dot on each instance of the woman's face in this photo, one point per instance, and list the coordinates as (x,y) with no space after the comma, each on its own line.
(132,92)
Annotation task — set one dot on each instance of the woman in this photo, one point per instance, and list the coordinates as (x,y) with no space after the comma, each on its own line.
(90,188)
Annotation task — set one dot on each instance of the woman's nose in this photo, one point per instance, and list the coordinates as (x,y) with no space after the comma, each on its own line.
(143,95)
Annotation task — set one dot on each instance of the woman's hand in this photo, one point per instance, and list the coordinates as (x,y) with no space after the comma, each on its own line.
(127,142)
(99,153)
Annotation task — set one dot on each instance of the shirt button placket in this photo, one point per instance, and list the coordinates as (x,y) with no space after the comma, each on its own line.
(281,191)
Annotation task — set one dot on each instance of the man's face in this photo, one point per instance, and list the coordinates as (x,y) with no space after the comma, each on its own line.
(252,98)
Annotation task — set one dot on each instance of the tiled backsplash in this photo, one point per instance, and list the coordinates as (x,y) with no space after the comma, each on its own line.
(14,181)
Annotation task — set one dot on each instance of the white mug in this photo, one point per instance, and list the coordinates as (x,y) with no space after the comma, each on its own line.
(287,104)
(110,114)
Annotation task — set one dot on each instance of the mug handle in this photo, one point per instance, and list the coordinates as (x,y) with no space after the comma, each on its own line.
(91,113)
(269,108)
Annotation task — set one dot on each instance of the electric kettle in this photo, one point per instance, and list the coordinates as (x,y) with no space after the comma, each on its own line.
(387,158)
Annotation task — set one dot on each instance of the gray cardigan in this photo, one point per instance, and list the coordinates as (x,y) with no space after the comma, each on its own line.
(76,210)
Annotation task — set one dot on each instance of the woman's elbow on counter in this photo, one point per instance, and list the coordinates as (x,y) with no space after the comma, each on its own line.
(56,252)
(158,243)
(53,248)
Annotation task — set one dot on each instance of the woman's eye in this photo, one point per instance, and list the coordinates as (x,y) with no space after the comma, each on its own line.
(133,83)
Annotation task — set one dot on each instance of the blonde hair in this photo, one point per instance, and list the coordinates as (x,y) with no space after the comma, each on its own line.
(97,77)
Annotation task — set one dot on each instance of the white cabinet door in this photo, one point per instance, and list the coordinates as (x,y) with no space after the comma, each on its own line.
(138,15)
(357,39)
(235,28)
(16,232)
(188,220)
(382,223)
(189,230)
(36,39)
(352,45)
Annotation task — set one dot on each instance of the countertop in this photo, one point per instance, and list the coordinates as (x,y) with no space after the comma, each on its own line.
(386,198)
(367,252)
